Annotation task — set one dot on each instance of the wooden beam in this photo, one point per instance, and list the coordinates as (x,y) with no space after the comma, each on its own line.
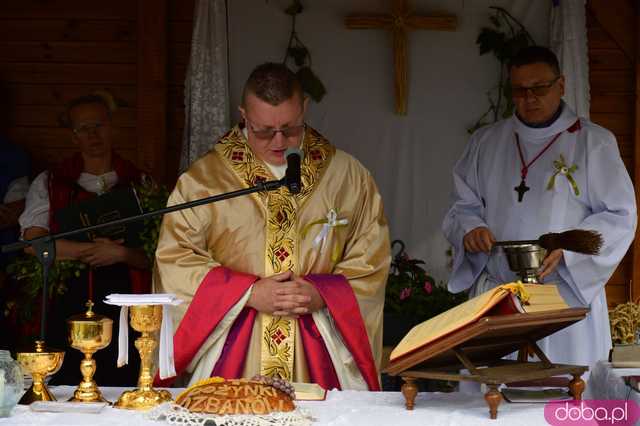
(152,86)
(635,275)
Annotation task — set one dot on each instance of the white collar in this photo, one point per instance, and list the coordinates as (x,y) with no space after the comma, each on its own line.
(540,135)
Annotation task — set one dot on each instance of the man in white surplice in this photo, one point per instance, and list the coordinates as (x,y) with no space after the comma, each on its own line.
(543,170)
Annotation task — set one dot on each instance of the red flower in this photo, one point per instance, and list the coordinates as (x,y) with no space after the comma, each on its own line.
(405,293)
(428,288)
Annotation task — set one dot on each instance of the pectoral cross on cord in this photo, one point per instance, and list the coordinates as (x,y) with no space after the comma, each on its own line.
(522,188)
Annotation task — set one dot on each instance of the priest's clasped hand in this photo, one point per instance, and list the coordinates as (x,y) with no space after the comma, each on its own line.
(285,294)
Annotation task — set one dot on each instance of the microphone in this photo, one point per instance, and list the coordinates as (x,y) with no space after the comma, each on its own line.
(292,175)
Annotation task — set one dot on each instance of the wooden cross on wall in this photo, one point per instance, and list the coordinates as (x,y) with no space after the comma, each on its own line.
(400,22)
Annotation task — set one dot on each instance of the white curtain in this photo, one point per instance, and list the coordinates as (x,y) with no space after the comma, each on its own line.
(568,39)
(206,94)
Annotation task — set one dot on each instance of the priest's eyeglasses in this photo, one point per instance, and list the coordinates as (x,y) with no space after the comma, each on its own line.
(538,90)
(87,129)
(268,134)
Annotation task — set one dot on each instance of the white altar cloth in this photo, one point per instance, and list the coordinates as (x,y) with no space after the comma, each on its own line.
(347,408)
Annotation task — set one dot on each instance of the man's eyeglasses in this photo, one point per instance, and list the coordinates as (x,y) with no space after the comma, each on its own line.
(538,90)
(268,134)
(85,130)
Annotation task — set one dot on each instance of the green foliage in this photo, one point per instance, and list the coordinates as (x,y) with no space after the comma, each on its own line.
(152,197)
(298,52)
(506,36)
(412,294)
(26,270)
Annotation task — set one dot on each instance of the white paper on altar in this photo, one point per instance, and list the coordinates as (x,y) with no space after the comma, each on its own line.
(167,364)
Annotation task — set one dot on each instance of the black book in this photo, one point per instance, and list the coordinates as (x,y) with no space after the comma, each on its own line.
(112,205)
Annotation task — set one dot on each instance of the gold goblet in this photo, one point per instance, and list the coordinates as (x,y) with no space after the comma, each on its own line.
(89,332)
(40,363)
(147,320)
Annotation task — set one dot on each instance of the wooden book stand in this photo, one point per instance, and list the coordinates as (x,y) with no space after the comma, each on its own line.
(479,348)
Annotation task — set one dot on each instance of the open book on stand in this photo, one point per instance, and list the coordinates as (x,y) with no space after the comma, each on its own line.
(503,300)
(469,341)
(112,205)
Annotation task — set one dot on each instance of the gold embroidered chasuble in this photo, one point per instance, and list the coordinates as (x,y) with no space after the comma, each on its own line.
(268,233)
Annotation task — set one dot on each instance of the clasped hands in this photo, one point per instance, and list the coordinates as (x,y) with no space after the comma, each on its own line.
(285,294)
(102,252)
(481,239)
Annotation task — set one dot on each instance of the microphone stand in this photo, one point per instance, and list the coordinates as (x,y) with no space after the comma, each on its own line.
(45,247)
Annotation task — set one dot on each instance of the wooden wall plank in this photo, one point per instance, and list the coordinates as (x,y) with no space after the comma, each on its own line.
(611,81)
(61,94)
(618,123)
(617,294)
(621,275)
(69,52)
(152,86)
(599,38)
(69,9)
(608,59)
(48,116)
(65,73)
(621,103)
(179,53)
(177,73)
(618,21)
(54,51)
(181,10)
(626,145)
(174,138)
(53,30)
(613,78)
(173,164)
(58,137)
(180,31)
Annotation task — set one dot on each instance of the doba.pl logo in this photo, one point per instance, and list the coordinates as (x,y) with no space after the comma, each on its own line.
(592,412)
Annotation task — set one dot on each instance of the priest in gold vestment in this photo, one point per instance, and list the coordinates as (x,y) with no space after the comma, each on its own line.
(277,284)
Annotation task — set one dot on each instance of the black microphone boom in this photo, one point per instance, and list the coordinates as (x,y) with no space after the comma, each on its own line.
(292,175)
(45,246)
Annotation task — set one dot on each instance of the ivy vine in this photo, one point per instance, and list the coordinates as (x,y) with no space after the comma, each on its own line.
(504,39)
(299,54)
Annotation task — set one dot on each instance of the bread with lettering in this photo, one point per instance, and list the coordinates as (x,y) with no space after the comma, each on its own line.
(216,395)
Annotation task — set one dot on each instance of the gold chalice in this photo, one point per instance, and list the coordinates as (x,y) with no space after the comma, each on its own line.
(147,320)
(40,363)
(89,332)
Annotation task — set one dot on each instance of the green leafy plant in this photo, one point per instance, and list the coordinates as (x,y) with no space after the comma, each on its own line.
(506,36)
(412,294)
(152,197)
(301,57)
(26,270)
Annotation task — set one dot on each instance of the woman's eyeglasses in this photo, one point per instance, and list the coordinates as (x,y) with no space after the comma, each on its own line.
(85,130)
